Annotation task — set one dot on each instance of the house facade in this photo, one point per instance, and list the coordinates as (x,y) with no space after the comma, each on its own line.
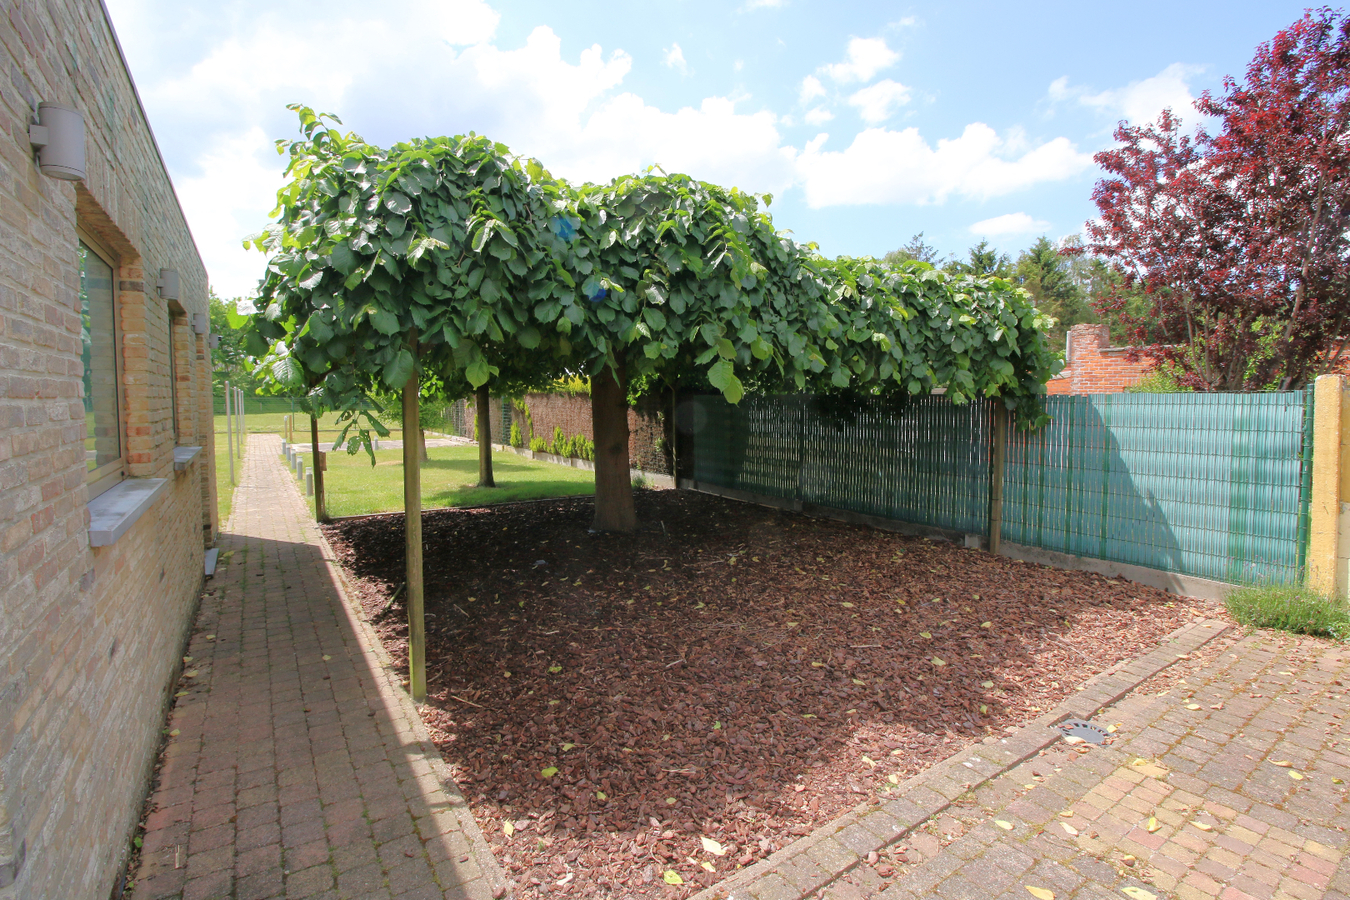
(106,451)
(1093,366)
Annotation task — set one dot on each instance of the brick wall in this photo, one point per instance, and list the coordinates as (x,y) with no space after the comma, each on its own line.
(573,415)
(1092,366)
(89,637)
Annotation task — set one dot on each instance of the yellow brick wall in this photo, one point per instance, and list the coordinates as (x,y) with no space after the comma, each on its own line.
(89,637)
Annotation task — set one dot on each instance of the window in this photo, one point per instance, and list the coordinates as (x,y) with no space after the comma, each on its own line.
(173,377)
(102,401)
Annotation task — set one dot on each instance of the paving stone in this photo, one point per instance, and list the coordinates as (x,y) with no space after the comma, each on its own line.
(268,788)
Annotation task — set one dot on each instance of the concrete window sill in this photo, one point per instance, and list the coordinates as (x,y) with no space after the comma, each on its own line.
(113,512)
(183,457)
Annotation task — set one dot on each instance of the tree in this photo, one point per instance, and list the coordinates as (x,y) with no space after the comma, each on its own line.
(1048,276)
(1238,239)
(386,264)
(915,250)
(229,361)
(692,286)
(982,260)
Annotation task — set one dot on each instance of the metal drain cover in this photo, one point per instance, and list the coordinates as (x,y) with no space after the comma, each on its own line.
(1088,731)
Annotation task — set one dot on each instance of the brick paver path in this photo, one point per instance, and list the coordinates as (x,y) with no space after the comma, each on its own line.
(296,766)
(1229,785)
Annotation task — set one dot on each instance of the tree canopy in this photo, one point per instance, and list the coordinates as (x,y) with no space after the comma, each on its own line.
(1238,238)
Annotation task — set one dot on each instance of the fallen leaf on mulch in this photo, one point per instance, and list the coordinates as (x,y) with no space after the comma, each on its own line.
(698,696)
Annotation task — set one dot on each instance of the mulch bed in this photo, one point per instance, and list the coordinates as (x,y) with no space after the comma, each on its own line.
(729,672)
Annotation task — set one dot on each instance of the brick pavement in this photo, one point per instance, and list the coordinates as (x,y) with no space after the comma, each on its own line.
(1229,785)
(296,766)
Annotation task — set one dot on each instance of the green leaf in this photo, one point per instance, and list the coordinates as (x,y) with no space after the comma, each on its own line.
(655,318)
(477,372)
(344,260)
(397,373)
(723,377)
(398,204)
(528,337)
(289,372)
(384,321)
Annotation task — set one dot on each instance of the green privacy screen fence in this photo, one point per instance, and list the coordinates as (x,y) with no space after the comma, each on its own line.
(1212,485)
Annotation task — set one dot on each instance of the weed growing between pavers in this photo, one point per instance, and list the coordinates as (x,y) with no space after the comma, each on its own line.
(732,672)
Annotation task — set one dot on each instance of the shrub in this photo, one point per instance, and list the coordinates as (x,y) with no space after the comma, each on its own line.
(586,449)
(539,445)
(559,447)
(516,439)
(1159,381)
(641,482)
(1290,608)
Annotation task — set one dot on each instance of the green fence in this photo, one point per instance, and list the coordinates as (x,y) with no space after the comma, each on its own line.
(1212,485)
(927,464)
(1201,484)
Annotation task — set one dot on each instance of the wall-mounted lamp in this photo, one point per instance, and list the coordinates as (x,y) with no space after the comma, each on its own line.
(168,284)
(214,341)
(200,323)
(58,138)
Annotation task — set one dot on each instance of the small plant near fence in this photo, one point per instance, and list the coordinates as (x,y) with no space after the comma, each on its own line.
(1290,608)
(517,440)
(578,445)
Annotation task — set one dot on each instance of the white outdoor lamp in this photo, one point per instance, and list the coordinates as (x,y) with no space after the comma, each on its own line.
(214,341)
(200,323)
(58,138)
(168,284)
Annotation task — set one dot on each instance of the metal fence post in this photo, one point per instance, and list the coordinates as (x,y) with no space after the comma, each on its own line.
(229,432)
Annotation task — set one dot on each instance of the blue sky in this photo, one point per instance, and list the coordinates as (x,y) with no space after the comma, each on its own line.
(868,122)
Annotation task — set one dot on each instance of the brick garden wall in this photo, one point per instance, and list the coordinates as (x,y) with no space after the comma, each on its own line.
(573,415)
(1092,366)
(90,638)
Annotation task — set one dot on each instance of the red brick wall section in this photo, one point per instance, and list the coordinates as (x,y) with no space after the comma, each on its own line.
(571,413)
(89,637)
(1095,367)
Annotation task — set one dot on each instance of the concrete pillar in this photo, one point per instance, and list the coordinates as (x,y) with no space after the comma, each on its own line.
(309,484)
(1327,563)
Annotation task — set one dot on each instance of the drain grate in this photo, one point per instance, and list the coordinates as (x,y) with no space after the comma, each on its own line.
(1079,728)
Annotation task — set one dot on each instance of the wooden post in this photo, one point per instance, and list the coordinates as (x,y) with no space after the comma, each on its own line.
(229,431)
(996,458)
(320,506)
(412,527)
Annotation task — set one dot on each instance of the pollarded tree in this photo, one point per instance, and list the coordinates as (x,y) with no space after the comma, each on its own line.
(689,283)
(387,263)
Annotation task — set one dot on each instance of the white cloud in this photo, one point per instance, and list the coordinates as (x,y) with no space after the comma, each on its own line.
(883,166)
(1139,101)
(811,89)
(818,116)
(1010,224)
(877,102)
(675,59)
(237,186)
(864,58)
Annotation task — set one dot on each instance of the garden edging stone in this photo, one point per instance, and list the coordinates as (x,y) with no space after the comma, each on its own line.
(806,865)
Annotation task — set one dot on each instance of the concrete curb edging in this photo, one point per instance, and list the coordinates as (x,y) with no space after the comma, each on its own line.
(809,864)
(399,705)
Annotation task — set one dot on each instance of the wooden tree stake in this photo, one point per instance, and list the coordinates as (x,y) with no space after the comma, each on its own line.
(412,525)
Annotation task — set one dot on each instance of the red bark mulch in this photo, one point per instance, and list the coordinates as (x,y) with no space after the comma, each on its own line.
(729,672)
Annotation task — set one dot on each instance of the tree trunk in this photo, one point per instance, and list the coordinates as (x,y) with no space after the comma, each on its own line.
(320,505)
(613,483)
(412,528)
(484,439)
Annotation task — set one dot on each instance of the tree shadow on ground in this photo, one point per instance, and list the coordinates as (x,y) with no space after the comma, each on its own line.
(731,671)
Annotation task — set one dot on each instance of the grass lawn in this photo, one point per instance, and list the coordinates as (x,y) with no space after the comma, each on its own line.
(448,479)
(224,490)
(272,423)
